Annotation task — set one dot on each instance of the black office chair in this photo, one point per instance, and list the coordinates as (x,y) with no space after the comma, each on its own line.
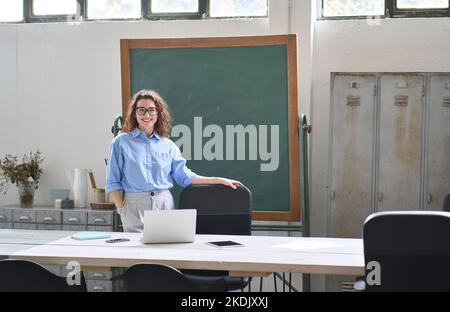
(28,276)
(409,249)
(446,204)
(163,278)
(220,210)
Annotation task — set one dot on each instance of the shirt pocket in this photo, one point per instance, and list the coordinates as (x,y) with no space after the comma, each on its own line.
(162,161)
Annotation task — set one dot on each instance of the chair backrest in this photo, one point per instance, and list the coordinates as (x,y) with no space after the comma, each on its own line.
(411,250)
(220,209)
(146,277)
(446,205)
(28,276)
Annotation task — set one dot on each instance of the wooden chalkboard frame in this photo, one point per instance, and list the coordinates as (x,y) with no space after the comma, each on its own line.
(291,42)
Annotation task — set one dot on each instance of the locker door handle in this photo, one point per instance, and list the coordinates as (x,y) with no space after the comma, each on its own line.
(332,194)
(380,196)
(429,198)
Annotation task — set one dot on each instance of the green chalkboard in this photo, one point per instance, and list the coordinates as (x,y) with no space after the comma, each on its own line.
(232,103)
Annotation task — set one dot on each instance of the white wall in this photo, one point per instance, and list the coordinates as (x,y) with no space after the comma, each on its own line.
(60,86)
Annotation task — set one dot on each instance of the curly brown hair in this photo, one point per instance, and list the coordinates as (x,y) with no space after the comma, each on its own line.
(164,121)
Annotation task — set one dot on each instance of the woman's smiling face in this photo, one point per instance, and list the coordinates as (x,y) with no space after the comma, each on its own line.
(146,114)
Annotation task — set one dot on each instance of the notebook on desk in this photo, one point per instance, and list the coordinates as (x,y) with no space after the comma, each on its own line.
(89,235)
(169,226)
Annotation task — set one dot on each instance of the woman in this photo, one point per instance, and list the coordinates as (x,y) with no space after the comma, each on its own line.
(143,161)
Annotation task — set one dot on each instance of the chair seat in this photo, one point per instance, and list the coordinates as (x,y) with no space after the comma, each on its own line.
(209,278)
(146,277)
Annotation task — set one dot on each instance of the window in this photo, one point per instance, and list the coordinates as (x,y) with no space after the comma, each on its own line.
(230,8)
(35,11)
(424,8)
(174,6)
(422,4)
(339,8)
(52,7)
(386,8)
(11,11)
(113,9)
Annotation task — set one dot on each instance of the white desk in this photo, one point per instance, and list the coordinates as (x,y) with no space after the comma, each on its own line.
(260,255)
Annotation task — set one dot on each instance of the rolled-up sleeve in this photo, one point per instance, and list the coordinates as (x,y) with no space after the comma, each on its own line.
(180,172)
(114,168)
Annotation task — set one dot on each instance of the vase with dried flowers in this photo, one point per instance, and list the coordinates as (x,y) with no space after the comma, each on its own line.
(25,175)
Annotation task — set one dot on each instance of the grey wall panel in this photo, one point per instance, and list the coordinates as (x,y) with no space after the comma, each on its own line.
(400,142)
(353,106)
(5,215)
(438,177)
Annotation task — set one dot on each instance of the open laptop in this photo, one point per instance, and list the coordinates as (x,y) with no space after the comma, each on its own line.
(169,226)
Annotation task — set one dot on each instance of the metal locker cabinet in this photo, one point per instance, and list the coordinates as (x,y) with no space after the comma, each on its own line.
(400,142)
(352,130)
(438,151)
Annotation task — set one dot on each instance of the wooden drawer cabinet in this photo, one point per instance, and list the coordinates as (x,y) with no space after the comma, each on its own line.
(100,218)
(26,215)
(5,225)
(5,215)
(74,217)
(48,217)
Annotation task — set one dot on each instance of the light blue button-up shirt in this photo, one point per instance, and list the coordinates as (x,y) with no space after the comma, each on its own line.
(137,163)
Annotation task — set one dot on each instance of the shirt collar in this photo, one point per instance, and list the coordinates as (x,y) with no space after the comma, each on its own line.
(137,132)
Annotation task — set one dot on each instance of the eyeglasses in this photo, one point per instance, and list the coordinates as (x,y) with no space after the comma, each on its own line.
(142,110)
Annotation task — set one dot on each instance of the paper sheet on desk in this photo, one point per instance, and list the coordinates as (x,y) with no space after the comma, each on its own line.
(308,245)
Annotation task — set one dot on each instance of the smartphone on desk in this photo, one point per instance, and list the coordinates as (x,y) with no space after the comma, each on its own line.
(222,244)
(117,240)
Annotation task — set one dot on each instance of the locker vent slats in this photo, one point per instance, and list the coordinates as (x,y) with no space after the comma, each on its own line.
(353,100)
(447,102)
(401,100)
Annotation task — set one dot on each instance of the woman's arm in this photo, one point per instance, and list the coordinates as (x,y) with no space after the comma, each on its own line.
(215,180)
(117,198)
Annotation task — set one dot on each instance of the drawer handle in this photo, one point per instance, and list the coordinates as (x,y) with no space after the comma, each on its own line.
(74,220)
(2,217)
(49,219)
(99,220)
(24,218)
(98,275)
(98,288)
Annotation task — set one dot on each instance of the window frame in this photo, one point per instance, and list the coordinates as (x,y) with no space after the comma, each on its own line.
(346,17)
(237,16)
(397,12)
(29,17)
(86,17)
(146,14)
(203,8)
(391,11)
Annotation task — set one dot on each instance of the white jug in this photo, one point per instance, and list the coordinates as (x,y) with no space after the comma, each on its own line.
(78,183)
